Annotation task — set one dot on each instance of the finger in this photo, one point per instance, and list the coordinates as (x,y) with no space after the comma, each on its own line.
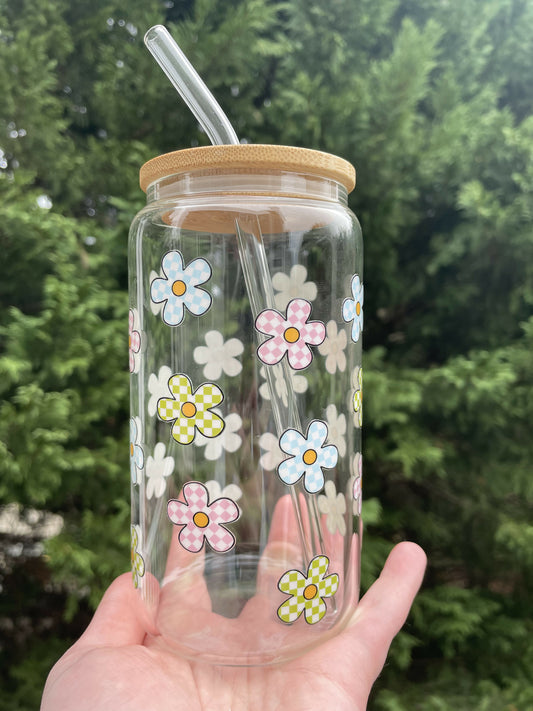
(118,619)
(383,610)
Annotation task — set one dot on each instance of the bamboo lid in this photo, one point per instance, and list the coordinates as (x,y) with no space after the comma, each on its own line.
(251,158)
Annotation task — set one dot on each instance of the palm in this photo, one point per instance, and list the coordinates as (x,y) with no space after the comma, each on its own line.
(114,665)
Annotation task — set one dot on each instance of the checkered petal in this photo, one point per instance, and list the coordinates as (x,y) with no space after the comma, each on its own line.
(315,610)
(207,396)
(292,583)
(178,512)
(317,433)
(328,456)
(292,442)
(290,610)
(271,323)
(198,271)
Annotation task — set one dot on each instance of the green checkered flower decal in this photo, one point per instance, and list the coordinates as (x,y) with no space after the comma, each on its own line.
(137,561)
(307,592)
(190,410)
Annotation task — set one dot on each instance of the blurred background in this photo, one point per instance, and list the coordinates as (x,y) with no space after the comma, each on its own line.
(432,101)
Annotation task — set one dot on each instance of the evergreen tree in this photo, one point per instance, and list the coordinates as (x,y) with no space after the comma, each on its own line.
(432,102)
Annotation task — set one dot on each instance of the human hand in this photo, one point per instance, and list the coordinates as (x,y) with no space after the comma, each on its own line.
(115,665)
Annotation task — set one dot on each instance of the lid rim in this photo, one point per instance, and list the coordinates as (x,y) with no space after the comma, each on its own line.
(249,156)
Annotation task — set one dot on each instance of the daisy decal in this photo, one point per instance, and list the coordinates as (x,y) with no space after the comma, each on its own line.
(357,487)
(228,441)
(137,561)
(357,399)
(158,468)
(333,505)
(219,356)
(191,411)
(308,457)
(289,334)
(292,286)
(178,288)
(299,383)
(202,521)
(158,388)
(307,592)
(271,454)
(134,341)
(352,309)
(136,451)
(336,429)
(333,348)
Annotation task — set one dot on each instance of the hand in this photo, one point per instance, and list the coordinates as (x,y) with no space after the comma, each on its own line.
(114,665)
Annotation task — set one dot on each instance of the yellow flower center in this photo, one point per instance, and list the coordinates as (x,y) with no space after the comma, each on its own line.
(291,335)
(358,308)
(310,592)
(188,409)
(129,342)
(179,288)
(131,450)
(200,519)
(309,456)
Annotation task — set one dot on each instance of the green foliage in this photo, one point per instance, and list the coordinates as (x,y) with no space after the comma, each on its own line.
(432,102)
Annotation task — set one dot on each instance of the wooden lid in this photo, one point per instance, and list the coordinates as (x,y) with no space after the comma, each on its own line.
(252,158)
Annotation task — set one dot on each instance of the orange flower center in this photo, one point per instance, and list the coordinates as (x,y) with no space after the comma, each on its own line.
(358,308)
(310,592)
(131,450)
(200,519)
(291,335)
(188,409)
(309,456)
(179,288)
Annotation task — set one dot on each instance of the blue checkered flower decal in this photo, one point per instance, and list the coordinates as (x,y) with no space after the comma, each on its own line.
(307,592)
(178,288)
(190,410)
(352,309)
(308,456)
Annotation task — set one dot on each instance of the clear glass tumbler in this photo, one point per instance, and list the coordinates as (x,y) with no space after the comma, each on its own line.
(245,329)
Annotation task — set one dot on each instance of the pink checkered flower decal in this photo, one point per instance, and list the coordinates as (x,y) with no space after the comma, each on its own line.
(307,592)
(203,521)
(291,334)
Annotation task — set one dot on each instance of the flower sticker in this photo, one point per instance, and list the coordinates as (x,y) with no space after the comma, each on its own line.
(202,521)
(271,453)
(215,491)
(292,286)
(333,348)
(308,456)
(336,429)
(358,484)
(134,340)
(357,399)
(158,388)
(136,451)
(333,505)
(179,289)
(219,356)
(289,334)
(299,383)
(137,561)
(352,309)
(307,592)
(158,468)
(229,440)
(190,411)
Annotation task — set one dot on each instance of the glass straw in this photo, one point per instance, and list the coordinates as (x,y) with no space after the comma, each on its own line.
(252,252)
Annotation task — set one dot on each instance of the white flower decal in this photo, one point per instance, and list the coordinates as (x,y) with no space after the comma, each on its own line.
(215,491)
(219,356)
(158,468)
(272,454)
(333,348)
(336,429)
(136,451)
(179,289)
(333,505)
(357,401)
(158,388)
(292,286)
(299,383)
(357,484)
(352,309)
(229,440)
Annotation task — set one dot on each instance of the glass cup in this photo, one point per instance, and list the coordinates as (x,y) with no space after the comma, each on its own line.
(245,321)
